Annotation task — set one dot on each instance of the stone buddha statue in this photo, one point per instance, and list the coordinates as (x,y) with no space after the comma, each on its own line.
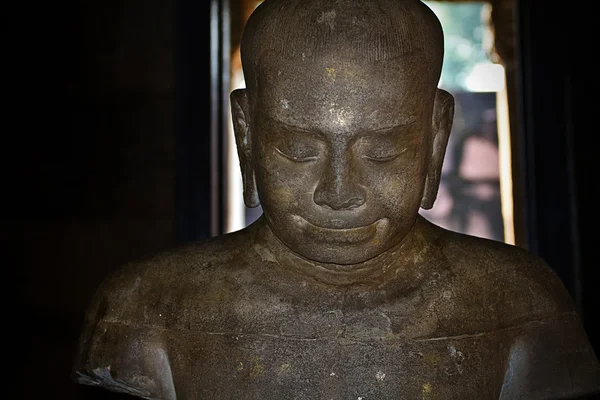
(341,290)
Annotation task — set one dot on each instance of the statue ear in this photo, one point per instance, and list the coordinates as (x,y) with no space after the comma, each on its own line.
(243,138)
(443,115)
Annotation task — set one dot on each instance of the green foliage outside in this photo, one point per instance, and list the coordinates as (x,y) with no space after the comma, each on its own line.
(464,33)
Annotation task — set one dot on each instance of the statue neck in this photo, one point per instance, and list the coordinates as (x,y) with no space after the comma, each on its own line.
(406,261)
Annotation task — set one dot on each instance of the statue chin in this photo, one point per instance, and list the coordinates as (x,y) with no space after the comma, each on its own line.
(347,247)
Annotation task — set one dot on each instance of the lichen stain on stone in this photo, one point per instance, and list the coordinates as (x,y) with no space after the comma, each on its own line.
(420,256)
(431,358)
(265,254)
(426,391)
(268,256)
(285,368)
(331,73)
(328,17)
(257,369)
(349,74)
(284,195)
(458,358)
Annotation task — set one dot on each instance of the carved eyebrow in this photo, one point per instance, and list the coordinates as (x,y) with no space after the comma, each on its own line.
(289,126)
(296,129)
(409,121)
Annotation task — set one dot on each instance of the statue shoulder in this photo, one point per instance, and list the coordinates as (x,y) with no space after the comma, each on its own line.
(122,345)
(510,281)
(148,290)
(508,294)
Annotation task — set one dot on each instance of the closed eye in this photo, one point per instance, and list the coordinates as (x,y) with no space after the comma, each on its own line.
(296,159)
(383,159)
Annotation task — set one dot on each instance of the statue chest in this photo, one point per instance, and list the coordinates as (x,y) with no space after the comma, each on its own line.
(260,348)
(269,367)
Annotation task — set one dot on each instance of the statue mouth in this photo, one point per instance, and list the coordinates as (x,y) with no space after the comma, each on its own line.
(337,235)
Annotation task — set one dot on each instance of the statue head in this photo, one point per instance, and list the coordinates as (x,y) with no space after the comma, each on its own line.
(341,130)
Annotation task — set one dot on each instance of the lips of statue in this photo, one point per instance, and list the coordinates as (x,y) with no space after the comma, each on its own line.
(340,156)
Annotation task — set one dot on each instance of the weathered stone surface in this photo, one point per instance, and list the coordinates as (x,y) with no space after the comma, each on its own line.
(341,290)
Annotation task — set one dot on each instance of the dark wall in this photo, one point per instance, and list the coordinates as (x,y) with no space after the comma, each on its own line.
(101,172)
(558,95)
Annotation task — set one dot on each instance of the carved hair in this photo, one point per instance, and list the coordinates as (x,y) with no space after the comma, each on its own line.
(338,30)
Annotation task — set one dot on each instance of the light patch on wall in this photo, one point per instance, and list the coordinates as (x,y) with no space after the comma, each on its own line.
(486,77)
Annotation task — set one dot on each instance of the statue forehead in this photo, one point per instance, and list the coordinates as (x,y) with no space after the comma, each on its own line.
(373,30)
(342,95)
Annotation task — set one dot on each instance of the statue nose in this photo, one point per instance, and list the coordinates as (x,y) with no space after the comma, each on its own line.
(337,203)
(339,191)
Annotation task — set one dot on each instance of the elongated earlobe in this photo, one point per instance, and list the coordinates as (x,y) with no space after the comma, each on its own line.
(243,138)
(443,115)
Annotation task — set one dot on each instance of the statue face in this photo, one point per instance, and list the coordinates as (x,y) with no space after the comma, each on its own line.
(341,154)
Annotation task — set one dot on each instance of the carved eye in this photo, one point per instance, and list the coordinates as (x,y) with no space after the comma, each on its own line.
(382,158)
(383,155)
(300,154)
(380,148)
